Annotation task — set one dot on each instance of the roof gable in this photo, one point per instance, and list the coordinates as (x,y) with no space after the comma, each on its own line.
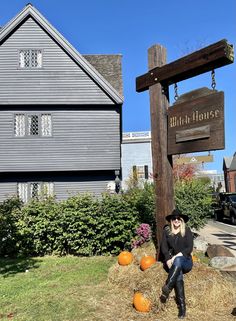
(233,164)
(30,11)
(226,162)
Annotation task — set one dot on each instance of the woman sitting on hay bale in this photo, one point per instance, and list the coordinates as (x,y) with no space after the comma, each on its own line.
(176,247)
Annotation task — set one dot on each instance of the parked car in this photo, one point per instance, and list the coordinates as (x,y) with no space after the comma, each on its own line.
(226,207)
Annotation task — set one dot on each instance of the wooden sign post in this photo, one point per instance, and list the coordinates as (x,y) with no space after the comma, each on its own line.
(162,163)
(157,80)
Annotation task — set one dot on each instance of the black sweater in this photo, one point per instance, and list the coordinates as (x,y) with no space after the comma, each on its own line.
(171,244)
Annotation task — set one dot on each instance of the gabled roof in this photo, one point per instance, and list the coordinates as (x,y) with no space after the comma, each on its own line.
(233,164)
(30,11)
(109,66)
(227,162)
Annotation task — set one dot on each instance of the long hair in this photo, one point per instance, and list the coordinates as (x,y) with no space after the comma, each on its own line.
(182,227)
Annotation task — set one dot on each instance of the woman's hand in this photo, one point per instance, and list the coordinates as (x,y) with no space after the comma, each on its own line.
(179,254)
(169,263)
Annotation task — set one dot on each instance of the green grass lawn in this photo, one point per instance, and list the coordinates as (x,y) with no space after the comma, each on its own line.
(52,288)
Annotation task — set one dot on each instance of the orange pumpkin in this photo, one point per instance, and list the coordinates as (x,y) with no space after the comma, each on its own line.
(195,258)
(125,258)
(146,262)
(141,303)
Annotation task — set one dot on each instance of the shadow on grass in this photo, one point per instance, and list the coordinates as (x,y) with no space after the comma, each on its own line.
(9,267)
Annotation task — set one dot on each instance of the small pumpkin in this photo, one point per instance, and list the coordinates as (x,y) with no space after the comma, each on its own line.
(146,262)
(125,258)
(141,303)
(195,258)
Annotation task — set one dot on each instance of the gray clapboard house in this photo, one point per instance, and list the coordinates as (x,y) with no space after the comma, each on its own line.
(60,112)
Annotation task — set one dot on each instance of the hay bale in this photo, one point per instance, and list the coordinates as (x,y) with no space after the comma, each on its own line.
(124,276)
(206,289)
(145,249)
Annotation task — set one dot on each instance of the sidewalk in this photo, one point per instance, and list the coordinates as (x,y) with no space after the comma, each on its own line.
(215,234)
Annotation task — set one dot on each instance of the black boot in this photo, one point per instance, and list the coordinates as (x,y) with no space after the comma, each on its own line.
(180,298)
(170,283)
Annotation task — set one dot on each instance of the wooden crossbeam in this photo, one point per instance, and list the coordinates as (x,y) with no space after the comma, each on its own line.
(214,56)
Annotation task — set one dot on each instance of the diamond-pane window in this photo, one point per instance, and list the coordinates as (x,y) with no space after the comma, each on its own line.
(47,189)
(29,190)
(46,124)
(34,190)
(30,58)
(19,125)
(33,125)
(22,191)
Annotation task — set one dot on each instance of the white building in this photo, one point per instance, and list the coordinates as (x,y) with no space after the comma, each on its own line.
(137,155)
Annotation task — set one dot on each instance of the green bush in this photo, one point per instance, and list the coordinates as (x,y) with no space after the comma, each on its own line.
(97,227)
(143,200)
(78,222)
(8,228)
(116,224)
(85,225)
(39,228)
(193,198)
(80,225)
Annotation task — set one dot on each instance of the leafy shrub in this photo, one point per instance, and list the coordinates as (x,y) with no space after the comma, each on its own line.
(193,198)
(80,225)
(142,199)
(78,221)
(39,228)
(8,228)
(116,224)
(85,225)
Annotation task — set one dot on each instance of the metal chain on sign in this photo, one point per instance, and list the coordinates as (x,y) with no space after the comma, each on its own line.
(213,83)
(176,92)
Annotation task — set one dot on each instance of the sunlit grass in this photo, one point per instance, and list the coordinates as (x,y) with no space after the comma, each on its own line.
(51,288)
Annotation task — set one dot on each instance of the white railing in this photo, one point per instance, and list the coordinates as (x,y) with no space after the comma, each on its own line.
(136,135)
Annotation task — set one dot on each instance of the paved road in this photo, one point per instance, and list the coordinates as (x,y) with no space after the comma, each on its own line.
(225,226)
(220,233)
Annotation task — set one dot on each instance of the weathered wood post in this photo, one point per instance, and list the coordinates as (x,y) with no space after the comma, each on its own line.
(162,164)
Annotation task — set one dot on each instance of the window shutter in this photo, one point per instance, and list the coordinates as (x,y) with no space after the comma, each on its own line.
(146,171)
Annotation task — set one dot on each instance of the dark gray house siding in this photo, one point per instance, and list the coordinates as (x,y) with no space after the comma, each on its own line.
(82,95)
(59,81)
(65,183)
(83,138)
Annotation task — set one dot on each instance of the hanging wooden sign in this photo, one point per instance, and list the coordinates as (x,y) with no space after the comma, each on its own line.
(196,122)
(194,160)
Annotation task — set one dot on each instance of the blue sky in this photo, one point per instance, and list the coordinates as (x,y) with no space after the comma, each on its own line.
(130,27)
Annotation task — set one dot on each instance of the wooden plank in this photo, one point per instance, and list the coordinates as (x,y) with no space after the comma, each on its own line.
(211,57)
(192,134)
(194,160)
(162,164)
(201,120)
